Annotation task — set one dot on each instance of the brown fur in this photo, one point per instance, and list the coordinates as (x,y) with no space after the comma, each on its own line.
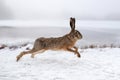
(65,42)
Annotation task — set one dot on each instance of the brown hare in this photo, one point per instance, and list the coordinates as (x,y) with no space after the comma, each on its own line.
(65,42)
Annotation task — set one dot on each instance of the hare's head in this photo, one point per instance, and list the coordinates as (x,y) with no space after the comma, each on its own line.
(74,33)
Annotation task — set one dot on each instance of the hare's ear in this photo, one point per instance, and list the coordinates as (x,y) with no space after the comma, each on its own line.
(72,23)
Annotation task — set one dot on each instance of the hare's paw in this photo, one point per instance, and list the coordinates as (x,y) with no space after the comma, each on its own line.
(78,55)
(18,58)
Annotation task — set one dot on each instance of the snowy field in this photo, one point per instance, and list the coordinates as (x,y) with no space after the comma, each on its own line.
(94,64)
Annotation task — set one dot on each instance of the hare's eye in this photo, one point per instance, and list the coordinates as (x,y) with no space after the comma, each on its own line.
(78,33)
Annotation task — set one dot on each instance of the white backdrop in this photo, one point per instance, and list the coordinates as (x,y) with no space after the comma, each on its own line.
(61,9)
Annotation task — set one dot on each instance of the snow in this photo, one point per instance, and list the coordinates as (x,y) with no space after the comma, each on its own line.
(94,64)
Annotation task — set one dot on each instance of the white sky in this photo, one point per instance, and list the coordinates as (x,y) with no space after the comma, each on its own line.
(63,9)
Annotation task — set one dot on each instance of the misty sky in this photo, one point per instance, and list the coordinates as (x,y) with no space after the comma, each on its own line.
(60,9)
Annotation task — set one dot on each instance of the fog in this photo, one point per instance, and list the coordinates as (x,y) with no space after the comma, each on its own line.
(60,9)
(5,12)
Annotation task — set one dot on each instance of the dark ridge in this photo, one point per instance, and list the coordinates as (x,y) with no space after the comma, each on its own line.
(6,27)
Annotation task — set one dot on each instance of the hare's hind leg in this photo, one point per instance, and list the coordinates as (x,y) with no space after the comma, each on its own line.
(24,53)
(37,52)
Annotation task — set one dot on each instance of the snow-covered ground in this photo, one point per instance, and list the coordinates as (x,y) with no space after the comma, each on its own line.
(94,64)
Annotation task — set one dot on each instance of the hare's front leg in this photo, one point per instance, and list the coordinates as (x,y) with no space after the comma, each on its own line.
(75,51)
(75,48)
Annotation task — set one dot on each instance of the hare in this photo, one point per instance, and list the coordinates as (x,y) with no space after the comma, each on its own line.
(65,43)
